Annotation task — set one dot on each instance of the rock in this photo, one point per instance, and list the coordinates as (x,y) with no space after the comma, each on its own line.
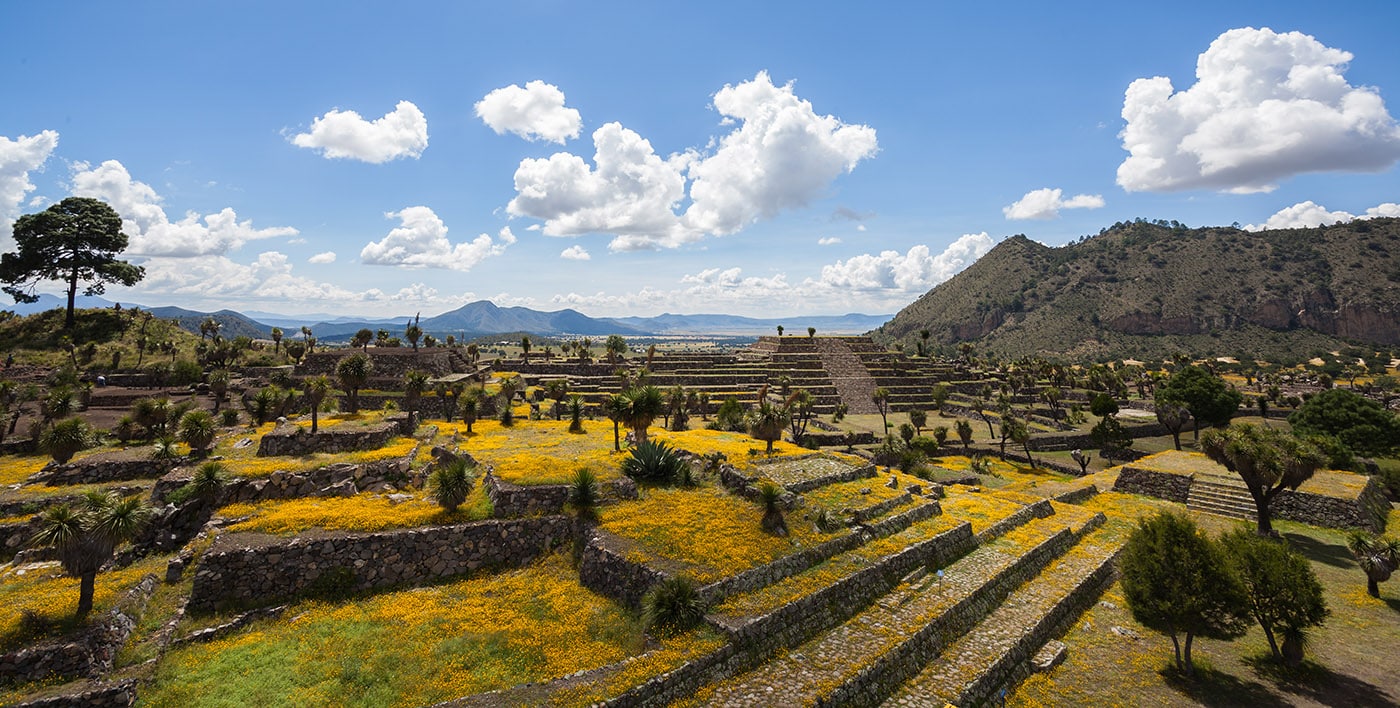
(916,490)
(1125,632)
(1107,605)
(344,488)
(865,490)
(893,483)
(1049,656)
(245,442)
(399,498)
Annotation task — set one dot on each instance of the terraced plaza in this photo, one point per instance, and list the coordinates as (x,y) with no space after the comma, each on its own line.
(320,578)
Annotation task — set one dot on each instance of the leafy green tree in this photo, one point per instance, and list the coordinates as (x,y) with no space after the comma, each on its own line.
(616,348)
(362,339)
(316,388)
(730,415)
(1211,401)
(964,429)
(1103,405)
(1282,589)
(87,535)
(1269,461)
(74,241)
(940,397)
(1177,581)
(1358,422)
(1378,558)
(353,372)
(1172,413)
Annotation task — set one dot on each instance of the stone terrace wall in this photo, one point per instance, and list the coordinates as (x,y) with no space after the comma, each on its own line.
(295,441)
(99,468)
(265,572)
(287,485)
(113,695)
(511,500)
(90,654)
(1368,510)
(1163,485)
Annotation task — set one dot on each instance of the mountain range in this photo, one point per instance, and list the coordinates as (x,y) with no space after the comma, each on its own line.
(1152,289)
(481,318)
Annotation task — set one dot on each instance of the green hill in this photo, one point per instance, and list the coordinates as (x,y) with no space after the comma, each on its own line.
(1152,289)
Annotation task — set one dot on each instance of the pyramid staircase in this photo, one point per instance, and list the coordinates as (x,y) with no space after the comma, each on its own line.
(848,374)
(1221,495)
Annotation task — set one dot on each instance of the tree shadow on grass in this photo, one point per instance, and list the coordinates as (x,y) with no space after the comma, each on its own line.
(1335,555)
(1218,689)
(1319,683)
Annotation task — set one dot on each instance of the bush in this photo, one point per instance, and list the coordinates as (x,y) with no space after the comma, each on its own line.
(671,607)
(228,417)
(65,439)
(186,372)
(653,462)
(450,484)
(583,494)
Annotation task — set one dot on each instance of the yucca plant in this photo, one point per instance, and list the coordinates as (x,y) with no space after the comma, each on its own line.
(575,407)
(450,484)
(771,496)
(653,462)
(1377,557)
(672,606)
(197,429)
(583,494)
(87,535)
(65,438)
(208,480)
(166,448)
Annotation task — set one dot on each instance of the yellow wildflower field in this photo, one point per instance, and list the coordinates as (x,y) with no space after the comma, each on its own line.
(539,451)
(14,470)
(714,532)
(46,591)
(408,648)
(363,512)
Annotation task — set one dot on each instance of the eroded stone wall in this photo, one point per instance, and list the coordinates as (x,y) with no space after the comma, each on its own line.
(1162,485)
(295,441)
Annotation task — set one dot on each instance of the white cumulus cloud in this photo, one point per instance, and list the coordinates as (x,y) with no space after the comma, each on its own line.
(402,132)
(151,232)
(1308,214)
(535,112)
(1046,204)
(915,271)
(327,257)
(1265,106)
(828,241)
(18,158)
(420,241)
(780,155)
(575,253)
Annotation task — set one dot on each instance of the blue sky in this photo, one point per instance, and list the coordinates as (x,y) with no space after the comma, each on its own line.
(765,159)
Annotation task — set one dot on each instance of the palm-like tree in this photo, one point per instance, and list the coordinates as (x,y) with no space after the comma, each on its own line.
(1377,557)
(316,388)
(362,339)
(644,404)
(218,385)
(308,340)
(766,423)
(770,495)
(354,372)
(276,340)
(208,480)
(86,536)
(616,408)
(467,406)
(525,349)
(584,496)
(413,333)
(415,382)
(881,399)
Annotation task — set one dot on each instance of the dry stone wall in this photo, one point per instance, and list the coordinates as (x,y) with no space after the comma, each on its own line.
(511,500)
(295,441)
(112,695)
(90,654)
(1136,480)
(97,469)
(270,570)
(1367,510)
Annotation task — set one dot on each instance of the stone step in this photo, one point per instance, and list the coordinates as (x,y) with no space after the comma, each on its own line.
(863,660)
(1221,496)
(996,653)
(1237,512)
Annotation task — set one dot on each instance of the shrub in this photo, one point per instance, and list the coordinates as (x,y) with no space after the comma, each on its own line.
(671,607)
(583,494)
(65,439)
(506,416)
(228,417)
(197,430)
(771,496)
(653,462)
(450,484)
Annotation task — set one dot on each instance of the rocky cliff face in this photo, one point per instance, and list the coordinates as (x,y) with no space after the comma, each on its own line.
(1139,282)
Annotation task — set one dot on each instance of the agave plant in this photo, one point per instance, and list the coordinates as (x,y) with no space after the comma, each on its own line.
(672,606)
(197,429)
(575,407)
(450,484)
(208,480)
(771,496)
(654,462)
(1377,557)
